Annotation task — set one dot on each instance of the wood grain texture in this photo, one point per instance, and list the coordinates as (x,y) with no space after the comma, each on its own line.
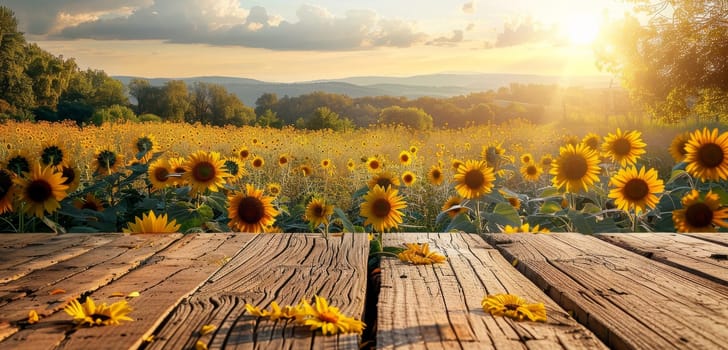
(280,267)
(439,306)
(21,254)
(717,238)
(700,257)
(75,276)
(628,300)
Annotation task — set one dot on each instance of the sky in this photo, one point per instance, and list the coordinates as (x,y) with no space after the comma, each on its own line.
(291,40)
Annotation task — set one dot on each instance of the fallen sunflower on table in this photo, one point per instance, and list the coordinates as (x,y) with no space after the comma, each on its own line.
(513,306)
(420,254)
(91,314)
(320,315)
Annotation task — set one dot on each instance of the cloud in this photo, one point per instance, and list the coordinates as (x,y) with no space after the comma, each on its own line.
(218,22)
(457,37)
(469,7)
(526,31)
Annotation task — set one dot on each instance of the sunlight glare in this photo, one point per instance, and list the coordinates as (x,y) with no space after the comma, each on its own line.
(581,30)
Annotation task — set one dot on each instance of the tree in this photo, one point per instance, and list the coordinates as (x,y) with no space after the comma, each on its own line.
(15,86)
(265,102)
(671,59)
(324,118)
(115,113)
(412,117)
(176,101)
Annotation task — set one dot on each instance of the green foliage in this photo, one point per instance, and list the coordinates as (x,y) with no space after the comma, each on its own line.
(414,118)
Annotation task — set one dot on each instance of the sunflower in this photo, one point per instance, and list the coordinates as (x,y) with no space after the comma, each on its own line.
(91,314)
(592,141)
(7,191)
(144,147)
(205,171)
(493,154)
(513,306)
(474,179)
(374,164)
(408,178)
(700,215)
(327,318)
(677,146)
(251,211)
(236,168)
(635,189)
(546,161)
(72,173)
(420,254)
(413,149)
(526,158)
(531,171)
(351,165)
(405,158)
(243,153)
(89,202)
(385,179)
(275,313)
(151,223)
(53,154)
(326,163)
(284,160)
(707,155)
(318,212)
(106,162)
(41,190)
(525,228)
(257,162)
(435,175)
(18,162)
(382,208)
(576,168)
(570,140)
(455,164)
(451,202)
(273,188)
(305,170)
(624,148)
(158,173)
(177,165)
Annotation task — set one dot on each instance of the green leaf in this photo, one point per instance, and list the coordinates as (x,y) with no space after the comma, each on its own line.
(394,250)
(550,192)
(579,222)
(550,208)
(461,222)
(344,219)
(591,208)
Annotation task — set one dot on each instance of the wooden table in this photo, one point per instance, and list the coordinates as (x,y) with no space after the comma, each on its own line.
(624,291)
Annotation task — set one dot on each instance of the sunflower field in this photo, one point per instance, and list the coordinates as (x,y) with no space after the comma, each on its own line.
(512,177)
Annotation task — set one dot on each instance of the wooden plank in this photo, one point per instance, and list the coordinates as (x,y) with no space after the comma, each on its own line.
(439,306)
(280,267)
(19,240)
(19,257)
(697,256)
(717,238)
(163,281)
(81,274)
(628,300)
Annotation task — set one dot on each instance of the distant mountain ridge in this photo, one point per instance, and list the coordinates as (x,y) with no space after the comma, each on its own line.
(433,85)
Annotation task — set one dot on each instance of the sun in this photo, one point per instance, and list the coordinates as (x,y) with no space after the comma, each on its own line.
(581,30)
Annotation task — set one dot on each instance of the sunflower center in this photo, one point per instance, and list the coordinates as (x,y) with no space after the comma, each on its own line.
(282,160)
(381,208)
(69,174)
(374,165)
(203,172)
(19,165)
(107,159)
(474,179)
(404,158)
(251,210)
(681,147)
(408,178)
(232,167)
(329,317)
(5,183)
(436,174)
(161,174)
(318,211)
(699,215)
(39,191)
(384,182)
(257,163)
(635,189)
(512,307)
(711,155)
(531,170)
(144,145)
(575,167)
(621,147)
(52,155)
(244,153)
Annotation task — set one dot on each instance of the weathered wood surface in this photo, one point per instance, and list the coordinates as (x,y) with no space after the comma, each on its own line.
(183,283)
(698,256)
(628,300)
(439,306)
(284,268)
